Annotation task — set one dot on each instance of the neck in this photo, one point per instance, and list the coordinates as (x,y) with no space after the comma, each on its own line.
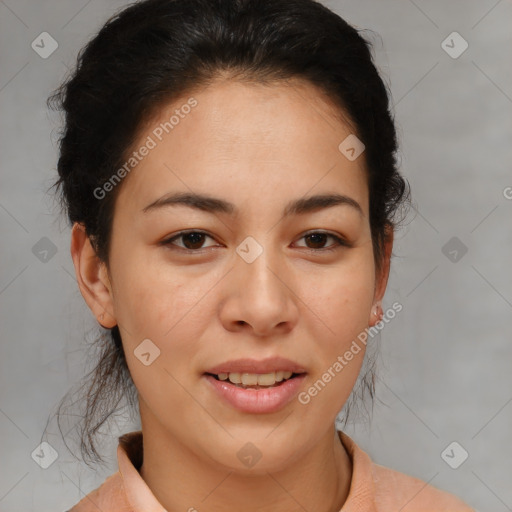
(183,481)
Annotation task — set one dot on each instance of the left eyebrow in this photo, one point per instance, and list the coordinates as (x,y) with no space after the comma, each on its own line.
(215,205)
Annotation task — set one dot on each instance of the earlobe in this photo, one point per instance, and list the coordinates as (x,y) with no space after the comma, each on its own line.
(376,314)
(92,277)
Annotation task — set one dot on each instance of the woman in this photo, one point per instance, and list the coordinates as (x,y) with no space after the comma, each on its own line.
(229,170)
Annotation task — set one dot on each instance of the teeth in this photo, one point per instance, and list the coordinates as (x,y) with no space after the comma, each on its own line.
(250,379)
(255,379)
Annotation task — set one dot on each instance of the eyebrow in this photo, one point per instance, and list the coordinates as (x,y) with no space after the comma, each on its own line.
(215,205)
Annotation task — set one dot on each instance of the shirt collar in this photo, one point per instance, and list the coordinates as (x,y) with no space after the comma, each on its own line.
(129,458)
(139,495)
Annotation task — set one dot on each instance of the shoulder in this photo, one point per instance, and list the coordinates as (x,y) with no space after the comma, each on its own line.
(383,489)
(394,489)
(109,496)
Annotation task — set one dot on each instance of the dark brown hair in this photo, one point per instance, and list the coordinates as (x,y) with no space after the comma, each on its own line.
(154,51)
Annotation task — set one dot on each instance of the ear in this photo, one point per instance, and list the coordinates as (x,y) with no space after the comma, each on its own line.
(92,277)
(381,279)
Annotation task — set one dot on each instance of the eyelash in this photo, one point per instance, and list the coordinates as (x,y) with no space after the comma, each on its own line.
(340,242)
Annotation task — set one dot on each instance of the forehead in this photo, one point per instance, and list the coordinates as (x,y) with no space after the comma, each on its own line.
(245,140)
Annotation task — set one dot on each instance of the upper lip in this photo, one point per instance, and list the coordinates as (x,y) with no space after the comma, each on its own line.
(269,365)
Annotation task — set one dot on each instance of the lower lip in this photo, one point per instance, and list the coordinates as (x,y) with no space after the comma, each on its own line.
(257,401)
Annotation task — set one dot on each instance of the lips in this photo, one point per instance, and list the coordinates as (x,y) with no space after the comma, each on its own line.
(256,386)
(256,400)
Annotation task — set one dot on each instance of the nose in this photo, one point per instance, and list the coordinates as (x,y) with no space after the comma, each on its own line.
(259,297)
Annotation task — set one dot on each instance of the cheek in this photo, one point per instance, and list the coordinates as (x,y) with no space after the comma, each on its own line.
(168,308)
(149,298)
(342,304)
(167,312)
(342,298)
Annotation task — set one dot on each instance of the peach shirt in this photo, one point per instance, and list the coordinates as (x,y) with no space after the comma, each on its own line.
(373,488)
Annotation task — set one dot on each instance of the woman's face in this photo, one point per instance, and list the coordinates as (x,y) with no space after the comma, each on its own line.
(252,286)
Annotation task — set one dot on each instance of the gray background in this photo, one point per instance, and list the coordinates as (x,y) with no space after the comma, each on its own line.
(445,364)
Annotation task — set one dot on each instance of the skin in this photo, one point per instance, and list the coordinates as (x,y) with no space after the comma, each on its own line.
(258,147)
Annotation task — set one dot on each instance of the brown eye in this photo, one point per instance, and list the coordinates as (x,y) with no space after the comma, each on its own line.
(192,240)
(317,239)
